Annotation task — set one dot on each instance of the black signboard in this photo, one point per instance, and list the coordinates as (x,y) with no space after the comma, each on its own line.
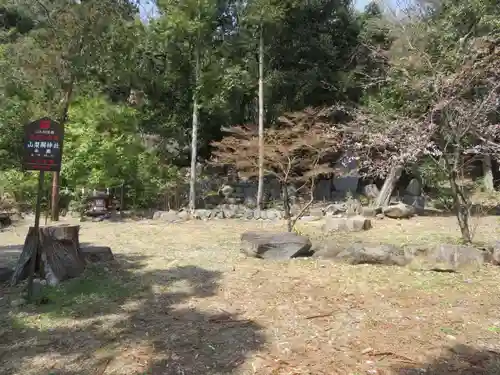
(43,143)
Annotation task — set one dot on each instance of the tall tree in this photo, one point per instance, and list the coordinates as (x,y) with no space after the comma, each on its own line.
(443,80)
(310,56)
(198,27)
(259,16)
(64,49)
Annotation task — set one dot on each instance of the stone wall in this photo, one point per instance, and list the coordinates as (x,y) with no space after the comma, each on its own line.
(241,211)
(227,211)
(245,192)
(238,202)
(215,187)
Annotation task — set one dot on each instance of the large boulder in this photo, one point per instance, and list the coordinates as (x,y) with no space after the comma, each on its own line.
(202,214)
(184,215)
(346,224)
(374,254)
(335,209)
(247,214)
(399,211)
(417,202)
(230,211)
(278,246)
(446,257)
(414,188)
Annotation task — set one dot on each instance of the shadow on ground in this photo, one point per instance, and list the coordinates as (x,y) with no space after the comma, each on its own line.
(9,255)
(457,360)
(124,320)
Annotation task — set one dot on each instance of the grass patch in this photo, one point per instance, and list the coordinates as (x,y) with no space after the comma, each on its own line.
(97,291)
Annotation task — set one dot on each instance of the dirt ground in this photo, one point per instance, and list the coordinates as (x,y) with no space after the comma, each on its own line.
(181,299)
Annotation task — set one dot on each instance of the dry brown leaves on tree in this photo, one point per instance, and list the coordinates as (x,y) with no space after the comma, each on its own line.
(296,150)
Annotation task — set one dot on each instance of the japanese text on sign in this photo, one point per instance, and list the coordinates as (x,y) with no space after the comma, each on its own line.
(43,144)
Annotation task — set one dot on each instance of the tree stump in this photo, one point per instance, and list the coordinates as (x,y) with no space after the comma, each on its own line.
(58,257)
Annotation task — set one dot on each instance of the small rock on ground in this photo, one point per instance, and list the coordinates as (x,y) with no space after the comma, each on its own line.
(167,216)
(310,218)
(346,224)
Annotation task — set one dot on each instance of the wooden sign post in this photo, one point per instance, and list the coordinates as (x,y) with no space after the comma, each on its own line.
(43,144)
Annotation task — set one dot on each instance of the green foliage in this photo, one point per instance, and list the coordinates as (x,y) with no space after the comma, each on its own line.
(22,186)
(103,149)
(435,179)
(317,53)
(101,143)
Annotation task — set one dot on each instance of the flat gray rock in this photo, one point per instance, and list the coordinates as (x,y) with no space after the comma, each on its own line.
(375,254)
(446,257)
(277,246)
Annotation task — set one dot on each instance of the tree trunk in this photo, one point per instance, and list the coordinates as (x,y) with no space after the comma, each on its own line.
(260,188)
(460,200)
(461,208)
(58,257)
(392,178)
(292,223)
(286,207)
(194,133)
(488,174)
(54,204)
(55,176)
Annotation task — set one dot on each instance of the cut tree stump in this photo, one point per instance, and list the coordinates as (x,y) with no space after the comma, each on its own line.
(58,258)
